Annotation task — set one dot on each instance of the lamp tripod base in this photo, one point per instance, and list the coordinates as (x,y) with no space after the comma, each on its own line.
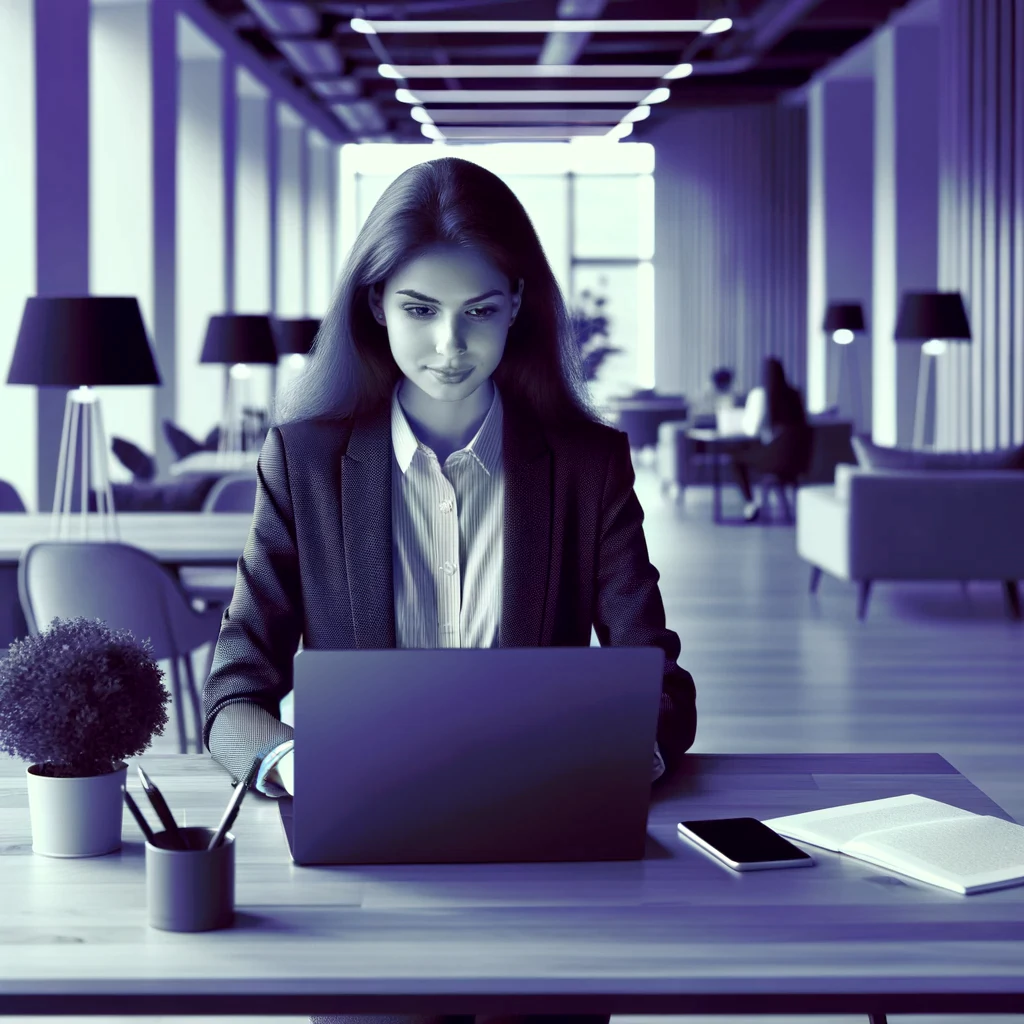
(82,415)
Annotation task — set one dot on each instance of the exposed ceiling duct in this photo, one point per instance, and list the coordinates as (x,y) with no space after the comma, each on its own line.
(285,17)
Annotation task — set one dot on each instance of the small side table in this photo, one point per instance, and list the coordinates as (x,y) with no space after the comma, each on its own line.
(716,445)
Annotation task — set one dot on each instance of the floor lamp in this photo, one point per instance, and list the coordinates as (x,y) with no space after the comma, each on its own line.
(843,320)
(237,341)
(294,340)
(82,343)
(932,318)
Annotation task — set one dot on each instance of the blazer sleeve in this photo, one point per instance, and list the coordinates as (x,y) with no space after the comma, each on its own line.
(629,611)
(259,631)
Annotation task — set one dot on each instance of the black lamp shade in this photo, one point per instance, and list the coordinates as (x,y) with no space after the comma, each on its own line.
(927,315)
(295,337)
(846,316)
(239,338)
(90,340)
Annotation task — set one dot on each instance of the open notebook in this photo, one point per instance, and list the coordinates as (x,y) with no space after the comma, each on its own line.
(916,836)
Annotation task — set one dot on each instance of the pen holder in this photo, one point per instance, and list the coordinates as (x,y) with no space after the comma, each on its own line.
(190,890)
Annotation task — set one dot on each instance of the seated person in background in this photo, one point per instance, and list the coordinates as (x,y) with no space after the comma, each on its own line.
(719,396)
(436,390)
(775,413)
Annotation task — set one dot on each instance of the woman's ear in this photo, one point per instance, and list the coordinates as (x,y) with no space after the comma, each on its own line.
(517,298)
(373,296)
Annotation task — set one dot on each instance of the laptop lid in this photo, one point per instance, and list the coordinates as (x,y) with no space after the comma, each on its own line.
(465,755)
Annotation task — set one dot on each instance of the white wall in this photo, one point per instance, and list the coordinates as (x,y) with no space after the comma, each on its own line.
(121,195)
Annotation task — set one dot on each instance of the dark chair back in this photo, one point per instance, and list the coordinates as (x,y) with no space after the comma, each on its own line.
(10,499)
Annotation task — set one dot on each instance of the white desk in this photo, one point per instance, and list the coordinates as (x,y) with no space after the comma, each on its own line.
(674,933)
(216,462)
(174,538)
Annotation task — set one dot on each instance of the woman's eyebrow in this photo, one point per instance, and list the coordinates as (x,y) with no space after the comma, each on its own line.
(427,298)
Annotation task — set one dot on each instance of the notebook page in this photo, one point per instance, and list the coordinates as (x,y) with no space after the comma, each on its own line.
(961,854)
(832,827)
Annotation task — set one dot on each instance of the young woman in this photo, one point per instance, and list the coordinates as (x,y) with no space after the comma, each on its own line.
(435,477)
(784,433)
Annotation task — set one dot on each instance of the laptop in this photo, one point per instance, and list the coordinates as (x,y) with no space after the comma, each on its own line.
(470,755)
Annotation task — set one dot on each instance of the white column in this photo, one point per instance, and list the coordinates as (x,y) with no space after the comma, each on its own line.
(321,209)
(906,214)
(200,243)
(121,238)
(841,194)
(291,301)
(18,234)
(252,216)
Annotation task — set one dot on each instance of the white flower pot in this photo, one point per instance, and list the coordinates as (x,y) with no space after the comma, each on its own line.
(78,817)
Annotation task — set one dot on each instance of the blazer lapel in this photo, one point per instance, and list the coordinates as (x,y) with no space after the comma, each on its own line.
(527,539)
(366,527)
(366,518)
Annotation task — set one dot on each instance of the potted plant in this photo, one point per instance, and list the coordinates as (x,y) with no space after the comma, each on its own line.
(75,701)
(590,327)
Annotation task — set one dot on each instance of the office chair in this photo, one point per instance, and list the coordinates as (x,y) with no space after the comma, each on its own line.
(233,492)
(127,588)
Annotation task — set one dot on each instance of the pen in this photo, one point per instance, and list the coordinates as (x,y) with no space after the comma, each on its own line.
(234,803)
(134,808)
(162,810)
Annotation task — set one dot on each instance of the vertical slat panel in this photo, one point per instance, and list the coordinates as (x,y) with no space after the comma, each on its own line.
(977,224)
(735,256)
(987,296)
(1004,218)
(1017,366)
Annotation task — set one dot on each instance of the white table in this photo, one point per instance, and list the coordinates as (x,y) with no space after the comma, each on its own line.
(216,462)
(174,538)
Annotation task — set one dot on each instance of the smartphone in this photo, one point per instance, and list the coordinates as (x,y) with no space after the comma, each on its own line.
(744,844)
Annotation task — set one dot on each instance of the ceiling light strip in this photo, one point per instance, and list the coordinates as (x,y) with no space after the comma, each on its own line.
(534,70)
(528,96)
(370,26)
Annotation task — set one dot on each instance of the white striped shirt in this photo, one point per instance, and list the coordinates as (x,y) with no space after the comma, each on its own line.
(447,545)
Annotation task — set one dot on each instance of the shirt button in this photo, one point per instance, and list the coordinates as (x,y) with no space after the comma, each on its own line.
(445,506)
(448,568)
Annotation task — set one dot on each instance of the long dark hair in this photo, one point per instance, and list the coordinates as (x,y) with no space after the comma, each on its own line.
(785,405)
(350,370)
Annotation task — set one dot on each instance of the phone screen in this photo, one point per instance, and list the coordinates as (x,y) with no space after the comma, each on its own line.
(745,840)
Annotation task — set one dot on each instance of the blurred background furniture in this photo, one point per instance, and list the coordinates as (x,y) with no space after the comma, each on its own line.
(10,499)
(80,342)
(210,583)
(641,413)
(184,444)
(238,340)
(174,539)
(843,321)
(141,465)
(127,588)
(931,318)
(219,462)
(683,462)
(914,525)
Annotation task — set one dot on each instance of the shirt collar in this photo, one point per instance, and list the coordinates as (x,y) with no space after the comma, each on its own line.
(485,446)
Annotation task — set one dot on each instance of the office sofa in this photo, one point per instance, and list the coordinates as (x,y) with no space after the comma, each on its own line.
(877,524)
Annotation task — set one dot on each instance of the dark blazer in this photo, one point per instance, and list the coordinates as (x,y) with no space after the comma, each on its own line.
(317,563)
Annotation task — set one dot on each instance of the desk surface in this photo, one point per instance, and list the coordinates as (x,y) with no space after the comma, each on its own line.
(673,933)
(175,538)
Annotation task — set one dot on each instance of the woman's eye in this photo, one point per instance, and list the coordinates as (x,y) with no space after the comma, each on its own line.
(487,310)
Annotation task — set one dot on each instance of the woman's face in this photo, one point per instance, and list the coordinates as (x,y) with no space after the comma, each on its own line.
(448,309)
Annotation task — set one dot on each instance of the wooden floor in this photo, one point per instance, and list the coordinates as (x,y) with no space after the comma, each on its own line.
(931,669)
